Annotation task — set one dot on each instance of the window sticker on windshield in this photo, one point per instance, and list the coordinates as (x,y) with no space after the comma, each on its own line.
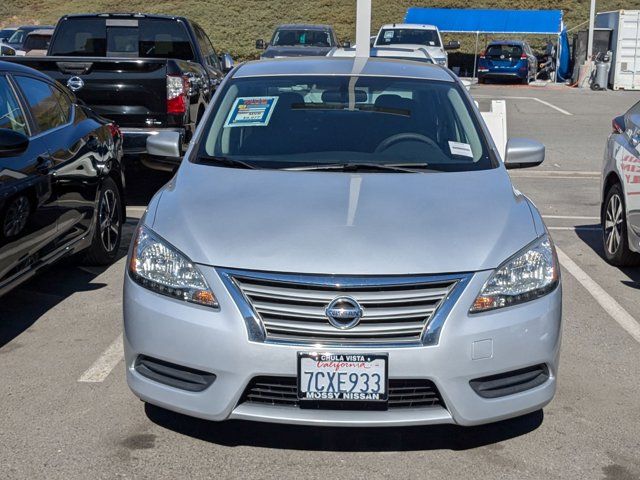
(461,149)
(389,34)
(251,112)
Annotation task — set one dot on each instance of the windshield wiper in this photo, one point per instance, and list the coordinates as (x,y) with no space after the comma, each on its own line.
(357,167)
(225,162)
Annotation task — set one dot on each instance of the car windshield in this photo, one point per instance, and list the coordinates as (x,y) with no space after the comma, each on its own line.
(412,36)
(504,51)
(302,37)
(17,37)
(333,121)
(144,37)
(5,34)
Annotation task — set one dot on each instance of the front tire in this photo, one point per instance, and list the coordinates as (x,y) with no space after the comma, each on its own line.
(108,230)
(614,230)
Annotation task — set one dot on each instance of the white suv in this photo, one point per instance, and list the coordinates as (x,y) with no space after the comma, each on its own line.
(427,36)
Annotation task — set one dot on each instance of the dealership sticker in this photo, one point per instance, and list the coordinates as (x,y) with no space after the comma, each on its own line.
(460,149)
(251,112)
(389,34)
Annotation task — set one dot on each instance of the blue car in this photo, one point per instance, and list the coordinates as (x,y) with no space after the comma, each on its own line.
(507,59)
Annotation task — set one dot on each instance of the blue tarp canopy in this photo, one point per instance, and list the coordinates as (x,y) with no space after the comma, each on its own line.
(488,21)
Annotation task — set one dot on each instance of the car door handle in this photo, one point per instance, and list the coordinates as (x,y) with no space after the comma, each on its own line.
(44,164)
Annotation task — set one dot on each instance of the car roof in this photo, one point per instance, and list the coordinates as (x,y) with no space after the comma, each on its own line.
(338,66)
(15,68)
(304,26)
(415,26)
(41,31)
(507,42)
(123,15)
(31,28)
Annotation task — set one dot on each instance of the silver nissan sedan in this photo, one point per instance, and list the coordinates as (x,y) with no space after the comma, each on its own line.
(342,245)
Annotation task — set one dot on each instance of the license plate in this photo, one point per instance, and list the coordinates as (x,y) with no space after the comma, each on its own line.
(342,377)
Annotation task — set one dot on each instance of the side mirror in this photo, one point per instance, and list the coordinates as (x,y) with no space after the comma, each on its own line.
(12,143)
(372,41)
(165,144)
(346,44)
(227,62)
(261,44)
(8,51)
(523,153)
(452,45)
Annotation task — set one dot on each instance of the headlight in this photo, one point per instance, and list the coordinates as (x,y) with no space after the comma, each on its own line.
(441,61)
(158,266)
(529,274)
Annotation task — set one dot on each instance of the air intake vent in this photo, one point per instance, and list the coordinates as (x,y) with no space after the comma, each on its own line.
(282,391)
(510,383)
(172,375)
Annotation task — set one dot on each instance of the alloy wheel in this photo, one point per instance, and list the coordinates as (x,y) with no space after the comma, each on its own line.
(17,216)
(109,219)
(614,218)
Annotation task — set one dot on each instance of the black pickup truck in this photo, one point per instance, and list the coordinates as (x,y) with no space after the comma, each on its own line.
(147,73)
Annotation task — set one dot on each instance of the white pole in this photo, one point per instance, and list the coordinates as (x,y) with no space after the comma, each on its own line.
(592,20)
(363,28)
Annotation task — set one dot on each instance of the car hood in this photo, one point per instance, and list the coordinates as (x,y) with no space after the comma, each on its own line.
(273,52)
(343,223)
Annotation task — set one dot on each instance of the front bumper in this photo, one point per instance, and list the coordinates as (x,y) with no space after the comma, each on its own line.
(216,341)
(497,74)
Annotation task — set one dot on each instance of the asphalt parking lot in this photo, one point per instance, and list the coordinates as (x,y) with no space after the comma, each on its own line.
(66,412)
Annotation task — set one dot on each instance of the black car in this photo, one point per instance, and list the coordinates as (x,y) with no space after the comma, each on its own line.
(299,40)
(61,177)
(147,73)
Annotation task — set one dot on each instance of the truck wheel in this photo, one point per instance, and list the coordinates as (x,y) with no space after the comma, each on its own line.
(614,230)
(108,230)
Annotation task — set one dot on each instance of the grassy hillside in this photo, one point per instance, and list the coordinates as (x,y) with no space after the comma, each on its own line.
(234,25)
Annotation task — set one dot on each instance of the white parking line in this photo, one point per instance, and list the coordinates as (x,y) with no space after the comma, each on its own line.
(551,105)
(569,217)
(606,301)
(105,364)
(573,229)
(543,102)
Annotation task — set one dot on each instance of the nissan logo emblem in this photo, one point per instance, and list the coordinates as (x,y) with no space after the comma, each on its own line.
(75,83)
(344,313)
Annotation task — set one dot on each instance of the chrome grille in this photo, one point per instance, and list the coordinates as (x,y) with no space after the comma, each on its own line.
(291,308)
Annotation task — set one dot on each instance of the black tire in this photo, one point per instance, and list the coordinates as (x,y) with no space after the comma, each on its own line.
(482,80)
(108,230)
(615,240)
(525,80)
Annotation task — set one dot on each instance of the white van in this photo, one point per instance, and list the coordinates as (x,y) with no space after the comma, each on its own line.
(397,34)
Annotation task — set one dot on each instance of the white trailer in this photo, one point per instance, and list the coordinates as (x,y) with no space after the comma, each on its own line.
(625,45)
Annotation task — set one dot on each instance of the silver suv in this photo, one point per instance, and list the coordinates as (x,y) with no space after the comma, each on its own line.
(343,246)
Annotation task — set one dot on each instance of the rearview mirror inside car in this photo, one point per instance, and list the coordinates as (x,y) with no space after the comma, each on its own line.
(523,153)
(12,143)
(261,44)
(165,145)
(452,45)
